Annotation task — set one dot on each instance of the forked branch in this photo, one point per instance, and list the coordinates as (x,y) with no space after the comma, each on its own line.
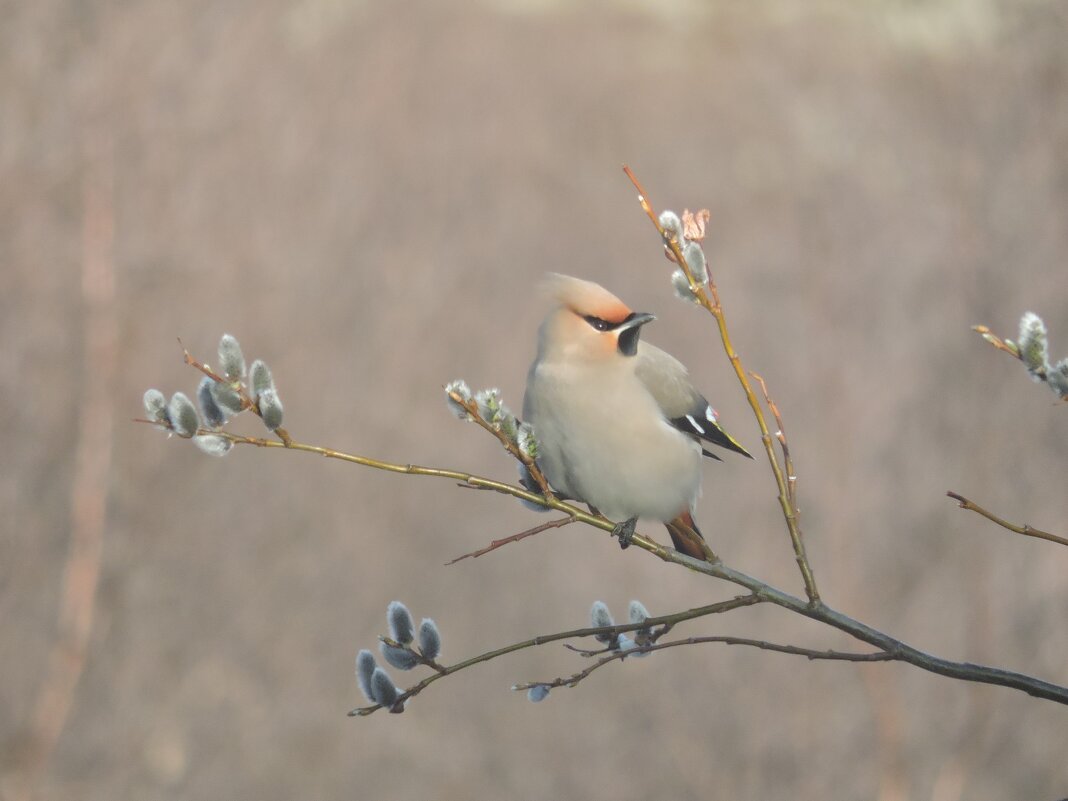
(510,433)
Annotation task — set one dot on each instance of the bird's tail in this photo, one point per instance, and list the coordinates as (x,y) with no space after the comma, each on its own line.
(687,538)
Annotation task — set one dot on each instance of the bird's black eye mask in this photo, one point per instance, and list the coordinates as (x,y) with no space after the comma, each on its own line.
(599,324)
(628,338)
(606,325)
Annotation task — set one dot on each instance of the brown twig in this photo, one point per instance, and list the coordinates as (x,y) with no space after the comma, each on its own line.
(472,409)
(713,306)
(1025,529)
(522,535)
(618,656)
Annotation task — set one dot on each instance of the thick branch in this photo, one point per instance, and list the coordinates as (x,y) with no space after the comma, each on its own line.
(901,651)
(765,592)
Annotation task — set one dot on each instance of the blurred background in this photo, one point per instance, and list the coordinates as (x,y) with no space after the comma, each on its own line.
(367,194)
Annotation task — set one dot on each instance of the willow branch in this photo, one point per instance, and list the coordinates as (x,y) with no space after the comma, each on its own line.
(443,671)
(619,656)
(764,592)
(466,479)
(1025,529)
(713,306)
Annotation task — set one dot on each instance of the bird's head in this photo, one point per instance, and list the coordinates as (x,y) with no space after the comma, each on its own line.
(590,321)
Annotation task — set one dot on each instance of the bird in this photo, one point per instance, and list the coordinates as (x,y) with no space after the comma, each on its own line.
(619,424)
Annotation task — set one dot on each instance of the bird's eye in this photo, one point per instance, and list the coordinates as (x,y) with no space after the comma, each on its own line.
(598,323)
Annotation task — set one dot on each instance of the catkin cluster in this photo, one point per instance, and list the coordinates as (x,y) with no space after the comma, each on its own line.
(404,649)
(220,396)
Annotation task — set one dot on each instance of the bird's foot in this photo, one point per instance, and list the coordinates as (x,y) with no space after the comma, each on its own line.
(625,532)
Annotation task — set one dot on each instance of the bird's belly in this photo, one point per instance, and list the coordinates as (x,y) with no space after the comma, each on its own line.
(644,469)
(624,479)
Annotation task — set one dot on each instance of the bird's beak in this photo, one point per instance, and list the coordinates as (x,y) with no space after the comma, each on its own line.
(717,436)
(630,330)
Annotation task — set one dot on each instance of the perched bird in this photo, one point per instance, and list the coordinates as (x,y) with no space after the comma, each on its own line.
(618,423)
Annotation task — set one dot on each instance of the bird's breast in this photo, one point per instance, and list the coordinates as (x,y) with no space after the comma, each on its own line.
(603,439)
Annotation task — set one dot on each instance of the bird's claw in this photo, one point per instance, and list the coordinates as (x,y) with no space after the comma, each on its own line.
(625,532)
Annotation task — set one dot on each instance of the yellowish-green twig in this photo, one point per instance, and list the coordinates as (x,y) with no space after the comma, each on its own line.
(713,306)
(1025,529)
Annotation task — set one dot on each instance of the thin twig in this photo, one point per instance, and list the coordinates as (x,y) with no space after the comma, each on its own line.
(999,343)
(1011,348)
(618,656)
(1025,529)
(780,435)
(532,467)
(713,306)
(522,535)
(689,614)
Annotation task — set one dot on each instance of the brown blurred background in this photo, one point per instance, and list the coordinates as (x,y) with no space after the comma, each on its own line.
(367,194)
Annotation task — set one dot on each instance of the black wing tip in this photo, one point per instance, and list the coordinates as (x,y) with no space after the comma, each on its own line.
(709,432)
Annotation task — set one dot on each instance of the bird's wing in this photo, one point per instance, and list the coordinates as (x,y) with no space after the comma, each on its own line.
(668,381)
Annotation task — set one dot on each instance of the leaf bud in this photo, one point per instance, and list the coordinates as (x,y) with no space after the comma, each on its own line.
(401,626)
(231,359)
(270,408)
(539,692)
(429,639)
(156,406)
(400,658)
(695,260)
(260,377)
(213,444)
(214,416)
(383,690)
(461,390)
(1033,346)
(681,284)
(227,397)
(365,667)
(183,415)
(672,225)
